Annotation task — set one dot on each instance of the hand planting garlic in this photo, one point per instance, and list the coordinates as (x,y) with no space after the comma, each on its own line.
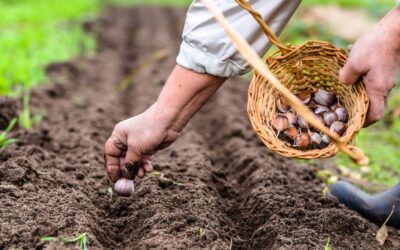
(125,185)
(294,129)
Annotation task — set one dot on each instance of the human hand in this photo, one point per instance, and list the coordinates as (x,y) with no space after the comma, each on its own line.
(375,56)
(136,140)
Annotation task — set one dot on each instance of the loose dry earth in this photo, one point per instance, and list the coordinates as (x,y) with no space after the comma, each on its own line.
(52,182)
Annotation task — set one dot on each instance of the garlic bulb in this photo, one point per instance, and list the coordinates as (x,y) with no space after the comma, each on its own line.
(124,187)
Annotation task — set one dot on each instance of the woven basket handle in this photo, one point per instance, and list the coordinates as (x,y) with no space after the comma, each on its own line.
(257,63)
(267,30)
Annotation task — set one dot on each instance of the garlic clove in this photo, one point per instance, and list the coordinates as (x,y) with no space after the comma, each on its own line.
(325,98)
(325,139)
(280,123)
(342,114)
(292,118)
(321,109)
(282,105)
(330,117)
(312,105)
(338,127)
(316,139)
(291,133)
(305,96)
(302,141)
(302,122)
(124,187)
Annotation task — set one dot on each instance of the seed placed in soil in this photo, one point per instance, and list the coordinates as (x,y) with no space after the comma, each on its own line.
(124,187)
(280,123)
(295,129)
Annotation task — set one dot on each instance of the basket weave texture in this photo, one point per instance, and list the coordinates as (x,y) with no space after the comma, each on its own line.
(311,66)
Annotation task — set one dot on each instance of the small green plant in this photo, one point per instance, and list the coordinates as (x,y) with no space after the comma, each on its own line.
(161,177)
(201,232)
(25,120)
(110,192)
(328,245)
(4,139)
(81,239)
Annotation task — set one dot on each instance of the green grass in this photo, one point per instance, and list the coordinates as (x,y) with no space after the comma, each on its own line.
(154,2)
(36,33)
(5,140)
(381,143)
(80,239)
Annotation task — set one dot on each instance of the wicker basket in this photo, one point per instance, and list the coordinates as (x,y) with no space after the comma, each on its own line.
(309,66)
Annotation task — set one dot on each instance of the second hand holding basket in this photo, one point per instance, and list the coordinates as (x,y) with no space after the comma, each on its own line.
(312,65)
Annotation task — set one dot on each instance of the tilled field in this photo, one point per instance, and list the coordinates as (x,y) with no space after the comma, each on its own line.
(53,183)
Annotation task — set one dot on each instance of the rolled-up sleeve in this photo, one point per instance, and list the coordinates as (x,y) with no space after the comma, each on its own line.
(206,48)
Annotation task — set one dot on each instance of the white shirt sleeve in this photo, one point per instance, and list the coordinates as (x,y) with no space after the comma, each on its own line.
(206,48)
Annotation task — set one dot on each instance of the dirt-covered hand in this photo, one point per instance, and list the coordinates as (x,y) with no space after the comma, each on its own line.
(135,140)
(376,57)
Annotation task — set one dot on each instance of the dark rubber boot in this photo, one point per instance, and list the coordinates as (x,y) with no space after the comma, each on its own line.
(375,208)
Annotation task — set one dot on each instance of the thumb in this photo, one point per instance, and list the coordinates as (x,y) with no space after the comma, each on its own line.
(351,72)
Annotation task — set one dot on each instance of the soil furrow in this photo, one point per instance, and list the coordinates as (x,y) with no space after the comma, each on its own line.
(53,183)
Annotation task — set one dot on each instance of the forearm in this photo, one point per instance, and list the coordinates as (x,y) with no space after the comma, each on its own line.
(183,95)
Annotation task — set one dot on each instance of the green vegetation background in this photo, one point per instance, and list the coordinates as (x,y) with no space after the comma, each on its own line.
(36,33)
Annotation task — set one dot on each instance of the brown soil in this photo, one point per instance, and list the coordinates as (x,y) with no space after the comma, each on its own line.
(52,182)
